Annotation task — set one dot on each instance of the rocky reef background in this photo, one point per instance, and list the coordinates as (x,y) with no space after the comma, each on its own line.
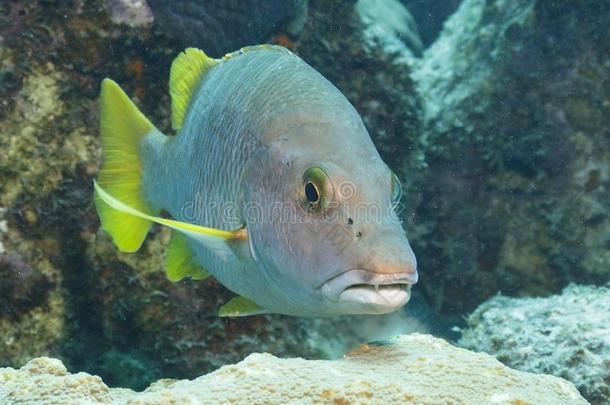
(566,335)
(494,113)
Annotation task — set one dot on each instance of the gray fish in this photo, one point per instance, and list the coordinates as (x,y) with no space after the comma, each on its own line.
(273,183)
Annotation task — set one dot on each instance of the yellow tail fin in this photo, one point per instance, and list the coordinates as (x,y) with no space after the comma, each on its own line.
(122,127)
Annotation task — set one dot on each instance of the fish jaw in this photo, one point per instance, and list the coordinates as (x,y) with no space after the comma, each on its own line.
(359,291)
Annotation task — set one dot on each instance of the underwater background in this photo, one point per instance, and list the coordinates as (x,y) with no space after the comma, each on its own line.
(495,115)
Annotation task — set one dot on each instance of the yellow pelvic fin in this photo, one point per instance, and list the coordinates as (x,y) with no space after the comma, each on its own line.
(185,74)
(179,260)
(241,306)
(217,240)
(122,127)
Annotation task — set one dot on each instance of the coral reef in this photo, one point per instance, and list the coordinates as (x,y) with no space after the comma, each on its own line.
(417,369)
(517,119)
(223,26)
(21,287)
(566,335)
(391,25)
(46,380)
(38,331)
(134,13)
(430,16)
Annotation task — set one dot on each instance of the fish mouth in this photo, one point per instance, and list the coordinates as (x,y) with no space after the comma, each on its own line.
(366,292)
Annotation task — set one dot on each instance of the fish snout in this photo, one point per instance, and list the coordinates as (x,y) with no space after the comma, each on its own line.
(378,283)
(405,267)
(394,257)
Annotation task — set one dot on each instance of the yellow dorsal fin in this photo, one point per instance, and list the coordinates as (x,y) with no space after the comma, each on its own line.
(122,127)
(179,260)
(241,306)
(185,74)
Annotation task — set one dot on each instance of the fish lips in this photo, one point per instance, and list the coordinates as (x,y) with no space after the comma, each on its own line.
(360,291)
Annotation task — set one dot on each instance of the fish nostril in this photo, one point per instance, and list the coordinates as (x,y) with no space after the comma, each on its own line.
(350,221)
(358,234)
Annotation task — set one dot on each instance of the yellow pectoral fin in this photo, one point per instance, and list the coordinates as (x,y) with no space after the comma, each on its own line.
(179,261)
(240,306)
(215,239)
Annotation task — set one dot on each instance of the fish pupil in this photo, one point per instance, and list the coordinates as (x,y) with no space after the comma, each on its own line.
(311,192)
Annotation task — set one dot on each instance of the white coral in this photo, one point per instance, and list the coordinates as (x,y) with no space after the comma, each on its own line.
(417,369)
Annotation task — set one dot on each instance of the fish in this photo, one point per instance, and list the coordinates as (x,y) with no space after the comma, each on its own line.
(271,184)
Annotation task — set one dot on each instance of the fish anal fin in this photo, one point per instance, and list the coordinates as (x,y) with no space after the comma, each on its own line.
(185,74)
(241,306)
(179,260)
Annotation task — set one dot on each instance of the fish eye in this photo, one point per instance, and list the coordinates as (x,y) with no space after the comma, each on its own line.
(311,193)
(396,190)
(317,189)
